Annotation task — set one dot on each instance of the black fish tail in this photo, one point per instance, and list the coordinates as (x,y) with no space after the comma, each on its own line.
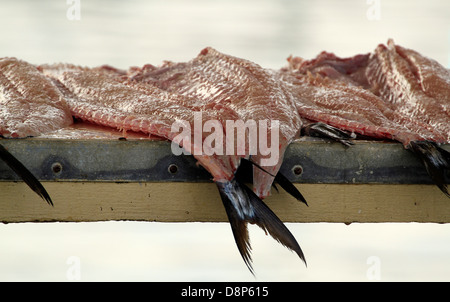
(242,207)
(326,131)
(289,187)
(282,180)
(25,174)
(436,161)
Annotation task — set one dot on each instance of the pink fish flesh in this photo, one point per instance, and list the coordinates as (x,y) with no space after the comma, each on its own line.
(29,103)
(393,93)
(214,80)
(102,98)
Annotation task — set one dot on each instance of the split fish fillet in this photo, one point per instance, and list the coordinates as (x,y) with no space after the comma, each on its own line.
(29,103)
(216,80)
(102,98)
(393,93)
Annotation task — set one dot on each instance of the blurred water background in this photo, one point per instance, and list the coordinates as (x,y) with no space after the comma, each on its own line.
(133,33)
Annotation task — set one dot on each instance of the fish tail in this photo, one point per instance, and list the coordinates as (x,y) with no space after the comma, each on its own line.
(25,174)
(243,207)
(245,169)
(326,131)
(289,187)
(436,161)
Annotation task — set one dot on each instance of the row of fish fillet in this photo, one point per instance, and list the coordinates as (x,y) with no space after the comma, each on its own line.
(392,93)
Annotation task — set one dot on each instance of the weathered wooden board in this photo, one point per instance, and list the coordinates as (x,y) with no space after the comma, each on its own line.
(188,202)
(111,179)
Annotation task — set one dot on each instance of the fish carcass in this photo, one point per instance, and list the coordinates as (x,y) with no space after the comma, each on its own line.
(393,93)
(223,88)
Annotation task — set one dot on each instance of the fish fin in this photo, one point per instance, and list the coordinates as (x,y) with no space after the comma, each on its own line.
(289,187)
(326,131)
(436,161)
(275,187)
(25,174)
(244,172)
(243,206)
(238,225)
(282,180)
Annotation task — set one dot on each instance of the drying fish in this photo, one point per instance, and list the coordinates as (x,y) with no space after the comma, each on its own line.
(208,81)
(414,85)
(393,93)
(222,88)
(29,105)
(381,96)
(251,93)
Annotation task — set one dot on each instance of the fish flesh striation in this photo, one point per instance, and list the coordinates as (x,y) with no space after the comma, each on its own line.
(214,79)
(353,109)
(349,70)
(104,99)
(29,103)
(96,97)
(416,86)
(393,93)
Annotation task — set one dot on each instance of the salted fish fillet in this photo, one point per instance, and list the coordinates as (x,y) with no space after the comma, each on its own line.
(29,103)
(251,92)
(29,106)
(415,85)
(351,70)
(394,93)
(102,98)
(407,82)
(99,98)
(353,109)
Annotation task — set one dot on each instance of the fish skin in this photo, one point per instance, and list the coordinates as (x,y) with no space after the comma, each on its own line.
(352,109)
(419,88)
(109,97)
(402,85)
(29,104)
(214,79)
(397,94)
(350,70)
(98,98)
(109,101)
(433,78)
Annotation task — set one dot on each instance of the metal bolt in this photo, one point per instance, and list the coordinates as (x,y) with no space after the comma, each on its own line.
(297,170)
(173,169)
(56,168)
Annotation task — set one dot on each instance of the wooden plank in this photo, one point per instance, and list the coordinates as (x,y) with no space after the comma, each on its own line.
(188,202)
